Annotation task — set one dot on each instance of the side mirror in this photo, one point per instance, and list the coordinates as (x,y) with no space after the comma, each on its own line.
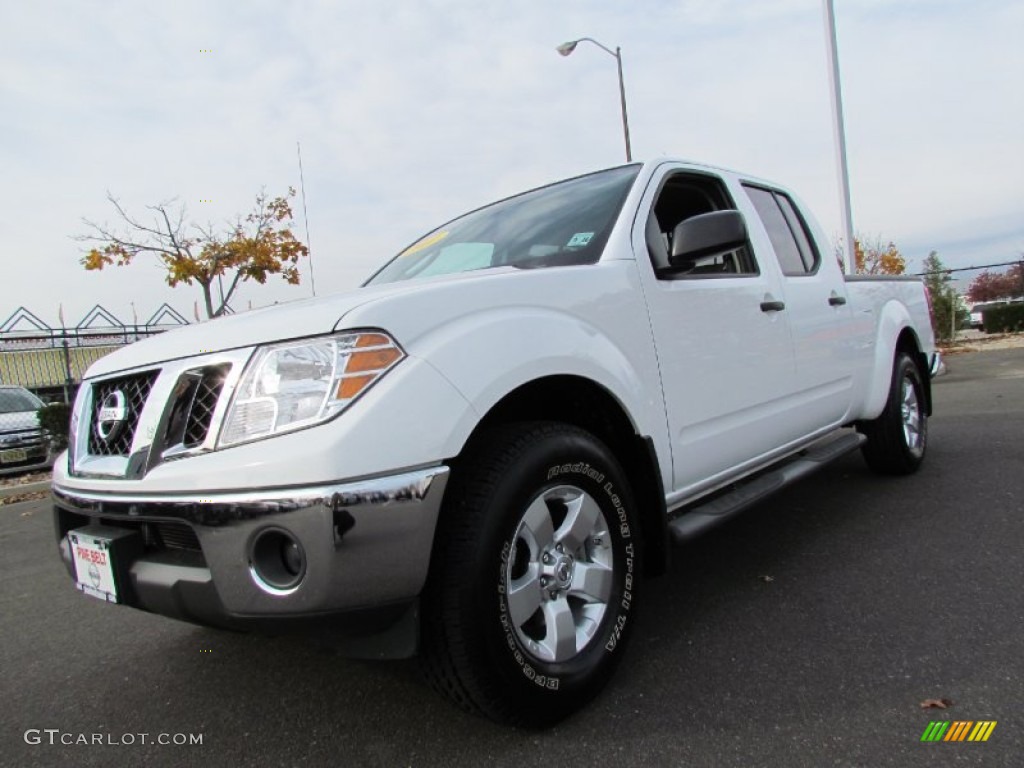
(707,235)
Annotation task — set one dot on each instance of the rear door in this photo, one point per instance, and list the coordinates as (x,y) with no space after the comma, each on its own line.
(817,308)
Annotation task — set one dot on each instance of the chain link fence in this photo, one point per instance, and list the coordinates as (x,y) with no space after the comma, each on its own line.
(40,365)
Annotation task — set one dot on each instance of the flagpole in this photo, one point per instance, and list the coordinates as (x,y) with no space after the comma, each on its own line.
(840,137)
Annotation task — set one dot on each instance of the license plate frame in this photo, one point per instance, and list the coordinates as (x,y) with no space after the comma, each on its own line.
(13,455)
(94,565)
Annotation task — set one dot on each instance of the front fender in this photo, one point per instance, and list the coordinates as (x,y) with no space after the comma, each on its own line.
(506,348)
(491,333)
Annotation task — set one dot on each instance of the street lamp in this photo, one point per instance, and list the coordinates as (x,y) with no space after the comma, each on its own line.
(566,48)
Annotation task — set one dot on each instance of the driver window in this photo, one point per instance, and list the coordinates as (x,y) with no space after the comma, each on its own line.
(684,196)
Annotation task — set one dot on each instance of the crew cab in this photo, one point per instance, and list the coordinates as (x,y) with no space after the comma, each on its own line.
(480,453)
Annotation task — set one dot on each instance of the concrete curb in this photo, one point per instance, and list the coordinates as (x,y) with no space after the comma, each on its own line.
(15,490)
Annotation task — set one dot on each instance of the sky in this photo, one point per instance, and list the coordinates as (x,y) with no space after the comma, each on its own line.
(410,113)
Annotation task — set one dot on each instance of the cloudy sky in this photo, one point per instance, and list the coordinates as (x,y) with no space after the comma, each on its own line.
(409,113)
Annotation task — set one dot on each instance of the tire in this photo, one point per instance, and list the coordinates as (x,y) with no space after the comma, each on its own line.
(898,438)
(533,578)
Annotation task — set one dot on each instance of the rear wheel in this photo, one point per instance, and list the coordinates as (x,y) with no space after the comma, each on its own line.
(897,439)
(533,577)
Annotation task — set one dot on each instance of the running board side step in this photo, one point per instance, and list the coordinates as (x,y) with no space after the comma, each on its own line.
(705,515)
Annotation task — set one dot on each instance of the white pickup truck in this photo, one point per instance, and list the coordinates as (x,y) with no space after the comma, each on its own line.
(479,453)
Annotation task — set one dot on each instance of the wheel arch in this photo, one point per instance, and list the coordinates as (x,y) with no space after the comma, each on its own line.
(584,403)
(895,334)
(908,342)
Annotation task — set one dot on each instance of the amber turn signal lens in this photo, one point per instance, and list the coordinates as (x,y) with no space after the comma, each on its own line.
(349,388)
(373,340)
(371,360)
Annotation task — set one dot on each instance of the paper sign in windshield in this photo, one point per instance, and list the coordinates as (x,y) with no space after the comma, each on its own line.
(579,239)
(426,242)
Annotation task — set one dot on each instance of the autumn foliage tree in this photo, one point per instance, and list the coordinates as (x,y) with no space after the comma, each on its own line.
(254,247)
(992,286)
(872,257)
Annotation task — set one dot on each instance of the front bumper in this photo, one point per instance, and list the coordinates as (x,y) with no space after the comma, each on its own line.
(36,457)
(367,547)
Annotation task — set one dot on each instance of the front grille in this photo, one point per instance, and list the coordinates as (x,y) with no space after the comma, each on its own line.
(26,438)
(193,402)
(175,536)
(160,537)
(134,389)
(207,393)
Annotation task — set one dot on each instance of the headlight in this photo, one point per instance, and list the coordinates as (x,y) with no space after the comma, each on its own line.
(301,383)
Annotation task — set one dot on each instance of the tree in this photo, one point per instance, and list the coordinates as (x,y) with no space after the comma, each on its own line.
(946,307)
(875,258)
(257,245)
(990,286)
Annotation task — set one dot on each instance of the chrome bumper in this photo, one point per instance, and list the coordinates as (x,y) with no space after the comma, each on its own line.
(367,543)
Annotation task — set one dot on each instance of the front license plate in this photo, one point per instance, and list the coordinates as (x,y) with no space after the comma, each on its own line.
(13,455)
(94,566)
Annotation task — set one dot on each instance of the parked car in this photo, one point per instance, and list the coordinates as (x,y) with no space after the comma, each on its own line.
(978,311)
(22,444)
(480,452)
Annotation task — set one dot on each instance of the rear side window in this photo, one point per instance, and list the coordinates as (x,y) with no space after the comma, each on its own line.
(786,229)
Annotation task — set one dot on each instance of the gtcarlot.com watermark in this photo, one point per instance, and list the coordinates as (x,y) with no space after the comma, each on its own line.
(57,737)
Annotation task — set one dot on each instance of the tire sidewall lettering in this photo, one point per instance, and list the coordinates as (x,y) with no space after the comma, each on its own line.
(599,482)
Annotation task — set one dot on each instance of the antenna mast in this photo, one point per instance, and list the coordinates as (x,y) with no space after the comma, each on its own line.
(305,217)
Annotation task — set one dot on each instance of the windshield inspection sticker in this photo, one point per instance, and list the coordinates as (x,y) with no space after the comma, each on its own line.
(579,239)
(426,242)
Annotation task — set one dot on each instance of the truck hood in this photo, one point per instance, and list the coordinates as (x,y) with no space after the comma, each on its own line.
(281,322)
(18,421)
(294,320)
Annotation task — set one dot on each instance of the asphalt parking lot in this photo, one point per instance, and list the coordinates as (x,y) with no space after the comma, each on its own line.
(806,633)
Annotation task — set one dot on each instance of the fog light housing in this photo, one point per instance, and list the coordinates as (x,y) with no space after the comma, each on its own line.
(291,555)
(277,561)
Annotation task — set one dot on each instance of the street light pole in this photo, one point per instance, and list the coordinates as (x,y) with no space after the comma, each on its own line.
(622,99)
(566,48)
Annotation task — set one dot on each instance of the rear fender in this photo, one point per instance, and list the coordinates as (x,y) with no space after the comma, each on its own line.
(894,319)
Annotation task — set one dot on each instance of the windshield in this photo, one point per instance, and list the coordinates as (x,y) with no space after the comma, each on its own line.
(561,224)
(15,400)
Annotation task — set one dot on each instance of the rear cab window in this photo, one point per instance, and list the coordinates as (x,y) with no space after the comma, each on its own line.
(787,231)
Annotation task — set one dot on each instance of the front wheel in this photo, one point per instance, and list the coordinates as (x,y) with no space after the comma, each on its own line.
(533,575)
(897,439)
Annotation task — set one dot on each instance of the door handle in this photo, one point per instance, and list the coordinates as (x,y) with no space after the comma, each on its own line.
(773,306)
(835,300)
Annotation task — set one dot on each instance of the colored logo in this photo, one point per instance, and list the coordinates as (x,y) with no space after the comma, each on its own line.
(958,730)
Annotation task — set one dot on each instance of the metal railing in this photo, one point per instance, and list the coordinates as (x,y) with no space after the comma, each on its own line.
(51,361)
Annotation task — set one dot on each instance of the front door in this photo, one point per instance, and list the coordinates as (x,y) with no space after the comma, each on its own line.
(724,347)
